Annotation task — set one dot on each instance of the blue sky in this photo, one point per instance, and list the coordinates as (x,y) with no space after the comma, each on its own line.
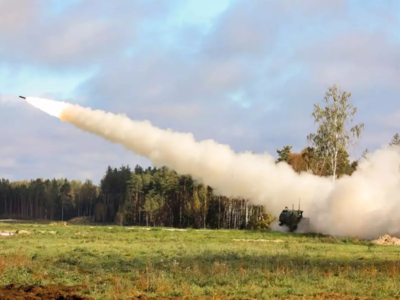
(244,73)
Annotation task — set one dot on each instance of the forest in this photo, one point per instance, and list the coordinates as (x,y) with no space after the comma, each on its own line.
(161,197)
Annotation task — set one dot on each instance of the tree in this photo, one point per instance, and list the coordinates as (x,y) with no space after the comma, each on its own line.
(153,202)
(298,163)
(203,197)
(395,140)
(196,206)
(135,187)
(283,155)
(65,194)
(89,194)
(333,135)
(365,153)
(343,163)
(314,163)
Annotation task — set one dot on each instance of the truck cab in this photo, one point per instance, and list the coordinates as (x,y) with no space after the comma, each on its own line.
(290,218)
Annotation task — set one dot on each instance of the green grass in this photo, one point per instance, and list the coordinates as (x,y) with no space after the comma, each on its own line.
(114,261)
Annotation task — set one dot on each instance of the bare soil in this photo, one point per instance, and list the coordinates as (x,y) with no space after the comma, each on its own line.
(327,296)
(59,292)
(54,292)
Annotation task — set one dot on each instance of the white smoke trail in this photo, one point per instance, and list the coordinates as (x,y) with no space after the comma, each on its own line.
(363,205)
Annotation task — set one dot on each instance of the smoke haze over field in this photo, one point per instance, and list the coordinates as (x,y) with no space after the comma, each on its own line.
(362,205)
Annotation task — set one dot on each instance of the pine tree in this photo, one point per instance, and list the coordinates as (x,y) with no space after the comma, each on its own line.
(284,154)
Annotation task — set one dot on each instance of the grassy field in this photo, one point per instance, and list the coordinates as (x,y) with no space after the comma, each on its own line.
(111,262)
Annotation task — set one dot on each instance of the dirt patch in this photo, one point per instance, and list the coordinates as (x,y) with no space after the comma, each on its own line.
(387,240)
(53,292)
(59,292)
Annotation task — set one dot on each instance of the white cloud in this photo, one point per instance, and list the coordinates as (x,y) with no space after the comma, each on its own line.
(86,33)
(279,57)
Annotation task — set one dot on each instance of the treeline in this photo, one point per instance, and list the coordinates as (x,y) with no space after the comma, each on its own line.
(57,199)
(152,197)
(308,160)
(161,197)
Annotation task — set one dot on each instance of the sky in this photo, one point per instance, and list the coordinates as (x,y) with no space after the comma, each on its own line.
(243,73)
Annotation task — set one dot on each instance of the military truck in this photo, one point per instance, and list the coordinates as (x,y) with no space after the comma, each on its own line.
(291,218)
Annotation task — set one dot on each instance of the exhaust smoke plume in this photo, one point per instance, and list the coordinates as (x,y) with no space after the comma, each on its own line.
(364,205)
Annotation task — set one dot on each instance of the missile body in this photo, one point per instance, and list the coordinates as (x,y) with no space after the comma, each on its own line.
(22,97)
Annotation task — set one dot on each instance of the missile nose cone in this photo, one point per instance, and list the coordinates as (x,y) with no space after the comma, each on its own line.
(22,97)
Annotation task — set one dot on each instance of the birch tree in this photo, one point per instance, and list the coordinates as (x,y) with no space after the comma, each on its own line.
(333,134)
